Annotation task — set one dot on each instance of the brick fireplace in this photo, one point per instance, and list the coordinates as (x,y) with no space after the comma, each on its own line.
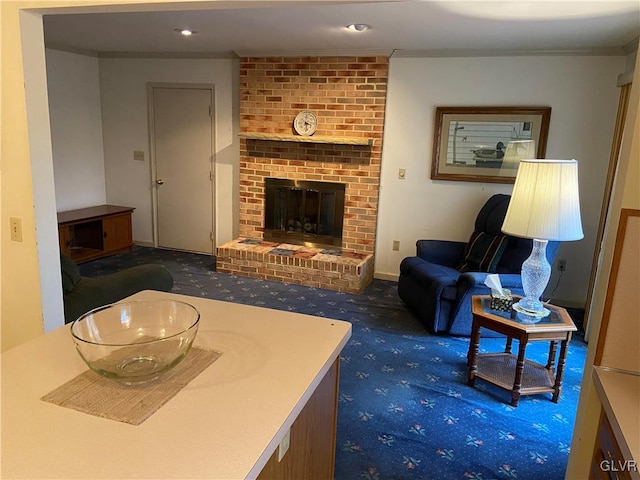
(348,96)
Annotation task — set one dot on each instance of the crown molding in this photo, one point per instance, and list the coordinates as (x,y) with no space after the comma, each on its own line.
(442,53)
(316,53)
(77,51)
(601,52)
(632,46)
(184,55)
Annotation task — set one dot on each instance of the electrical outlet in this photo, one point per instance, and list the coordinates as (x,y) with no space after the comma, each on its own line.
(16,229)
(396,245)
(284,445)
(562,265)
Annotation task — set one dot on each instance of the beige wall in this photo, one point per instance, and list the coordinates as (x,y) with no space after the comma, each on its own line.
(73,88)
(581,127)
(21,312)
(29,280)
(123,90)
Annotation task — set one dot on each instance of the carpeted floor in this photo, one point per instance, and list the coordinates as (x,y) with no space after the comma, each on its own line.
(405,411)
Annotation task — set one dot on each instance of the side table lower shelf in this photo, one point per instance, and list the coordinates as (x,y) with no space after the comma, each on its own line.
(515,373)
(500,369)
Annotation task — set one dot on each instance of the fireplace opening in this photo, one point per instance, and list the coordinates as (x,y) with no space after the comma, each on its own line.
(303,212)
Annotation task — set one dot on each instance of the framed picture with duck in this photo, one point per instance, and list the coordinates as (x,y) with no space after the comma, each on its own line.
(486,144)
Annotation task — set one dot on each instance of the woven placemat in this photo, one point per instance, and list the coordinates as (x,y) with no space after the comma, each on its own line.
(99,396)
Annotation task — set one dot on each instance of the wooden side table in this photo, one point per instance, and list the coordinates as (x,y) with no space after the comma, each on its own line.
(514,372)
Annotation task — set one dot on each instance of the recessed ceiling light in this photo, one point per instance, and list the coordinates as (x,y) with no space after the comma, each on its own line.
(358,27)
(185,31)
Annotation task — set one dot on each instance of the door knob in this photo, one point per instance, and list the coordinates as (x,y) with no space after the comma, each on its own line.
(160,181)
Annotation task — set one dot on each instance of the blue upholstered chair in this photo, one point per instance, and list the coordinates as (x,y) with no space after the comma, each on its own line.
(437,284)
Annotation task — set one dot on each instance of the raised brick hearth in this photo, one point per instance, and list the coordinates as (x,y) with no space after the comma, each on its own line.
(348,96)
(338,270)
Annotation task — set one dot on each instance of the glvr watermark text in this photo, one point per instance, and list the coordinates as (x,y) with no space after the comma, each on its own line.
(619,466)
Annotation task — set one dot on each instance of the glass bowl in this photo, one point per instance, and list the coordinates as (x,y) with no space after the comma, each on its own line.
(137,341)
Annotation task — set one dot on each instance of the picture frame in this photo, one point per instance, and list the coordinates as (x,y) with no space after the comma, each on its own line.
(486,144)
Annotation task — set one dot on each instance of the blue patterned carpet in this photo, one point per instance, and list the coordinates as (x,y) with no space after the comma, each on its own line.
(405,410)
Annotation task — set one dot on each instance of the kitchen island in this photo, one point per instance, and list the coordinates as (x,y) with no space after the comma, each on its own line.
(275,384)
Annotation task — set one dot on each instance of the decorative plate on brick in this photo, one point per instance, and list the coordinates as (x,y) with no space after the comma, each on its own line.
(305,123)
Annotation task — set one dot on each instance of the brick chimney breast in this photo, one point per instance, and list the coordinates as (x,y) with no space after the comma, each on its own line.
(348,95)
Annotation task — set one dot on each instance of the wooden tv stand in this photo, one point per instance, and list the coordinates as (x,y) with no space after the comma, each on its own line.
(94,232)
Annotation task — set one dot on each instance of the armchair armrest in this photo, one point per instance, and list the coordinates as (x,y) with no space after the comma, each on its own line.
(471,279)
(443,252)
(472,283)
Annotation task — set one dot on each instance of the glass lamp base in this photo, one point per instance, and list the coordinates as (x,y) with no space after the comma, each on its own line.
(538,314)
(535,276)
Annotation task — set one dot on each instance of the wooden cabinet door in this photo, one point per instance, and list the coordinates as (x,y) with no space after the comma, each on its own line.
(116,233)
(312,447)
(608,461)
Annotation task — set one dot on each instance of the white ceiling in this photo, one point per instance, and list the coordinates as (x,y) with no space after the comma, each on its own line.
(315,28)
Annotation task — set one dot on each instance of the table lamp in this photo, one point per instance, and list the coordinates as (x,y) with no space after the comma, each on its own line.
(518,150)
(544,206)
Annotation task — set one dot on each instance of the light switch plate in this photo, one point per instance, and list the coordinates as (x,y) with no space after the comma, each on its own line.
(138,155)
(284,445)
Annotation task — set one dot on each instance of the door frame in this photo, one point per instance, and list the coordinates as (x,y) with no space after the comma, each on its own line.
(614,157)
(152,153)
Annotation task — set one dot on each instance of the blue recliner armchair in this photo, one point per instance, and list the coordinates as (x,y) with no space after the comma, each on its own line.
(437,284)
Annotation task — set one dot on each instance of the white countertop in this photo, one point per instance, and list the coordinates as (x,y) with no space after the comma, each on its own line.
(225,424)
(619,393)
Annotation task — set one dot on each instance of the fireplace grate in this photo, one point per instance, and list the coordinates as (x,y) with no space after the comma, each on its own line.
(303,212)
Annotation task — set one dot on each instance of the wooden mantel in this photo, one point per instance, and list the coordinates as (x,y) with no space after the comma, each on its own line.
(284,137)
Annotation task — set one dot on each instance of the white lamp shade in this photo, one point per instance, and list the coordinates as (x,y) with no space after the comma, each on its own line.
(545,203)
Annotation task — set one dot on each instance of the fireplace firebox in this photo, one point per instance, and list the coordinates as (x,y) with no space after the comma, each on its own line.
(304,212)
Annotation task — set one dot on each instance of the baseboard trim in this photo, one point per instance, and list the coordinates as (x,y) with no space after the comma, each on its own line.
(143,244)
(386,276)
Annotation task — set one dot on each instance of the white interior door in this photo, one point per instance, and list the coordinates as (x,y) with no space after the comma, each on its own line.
(183,153)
